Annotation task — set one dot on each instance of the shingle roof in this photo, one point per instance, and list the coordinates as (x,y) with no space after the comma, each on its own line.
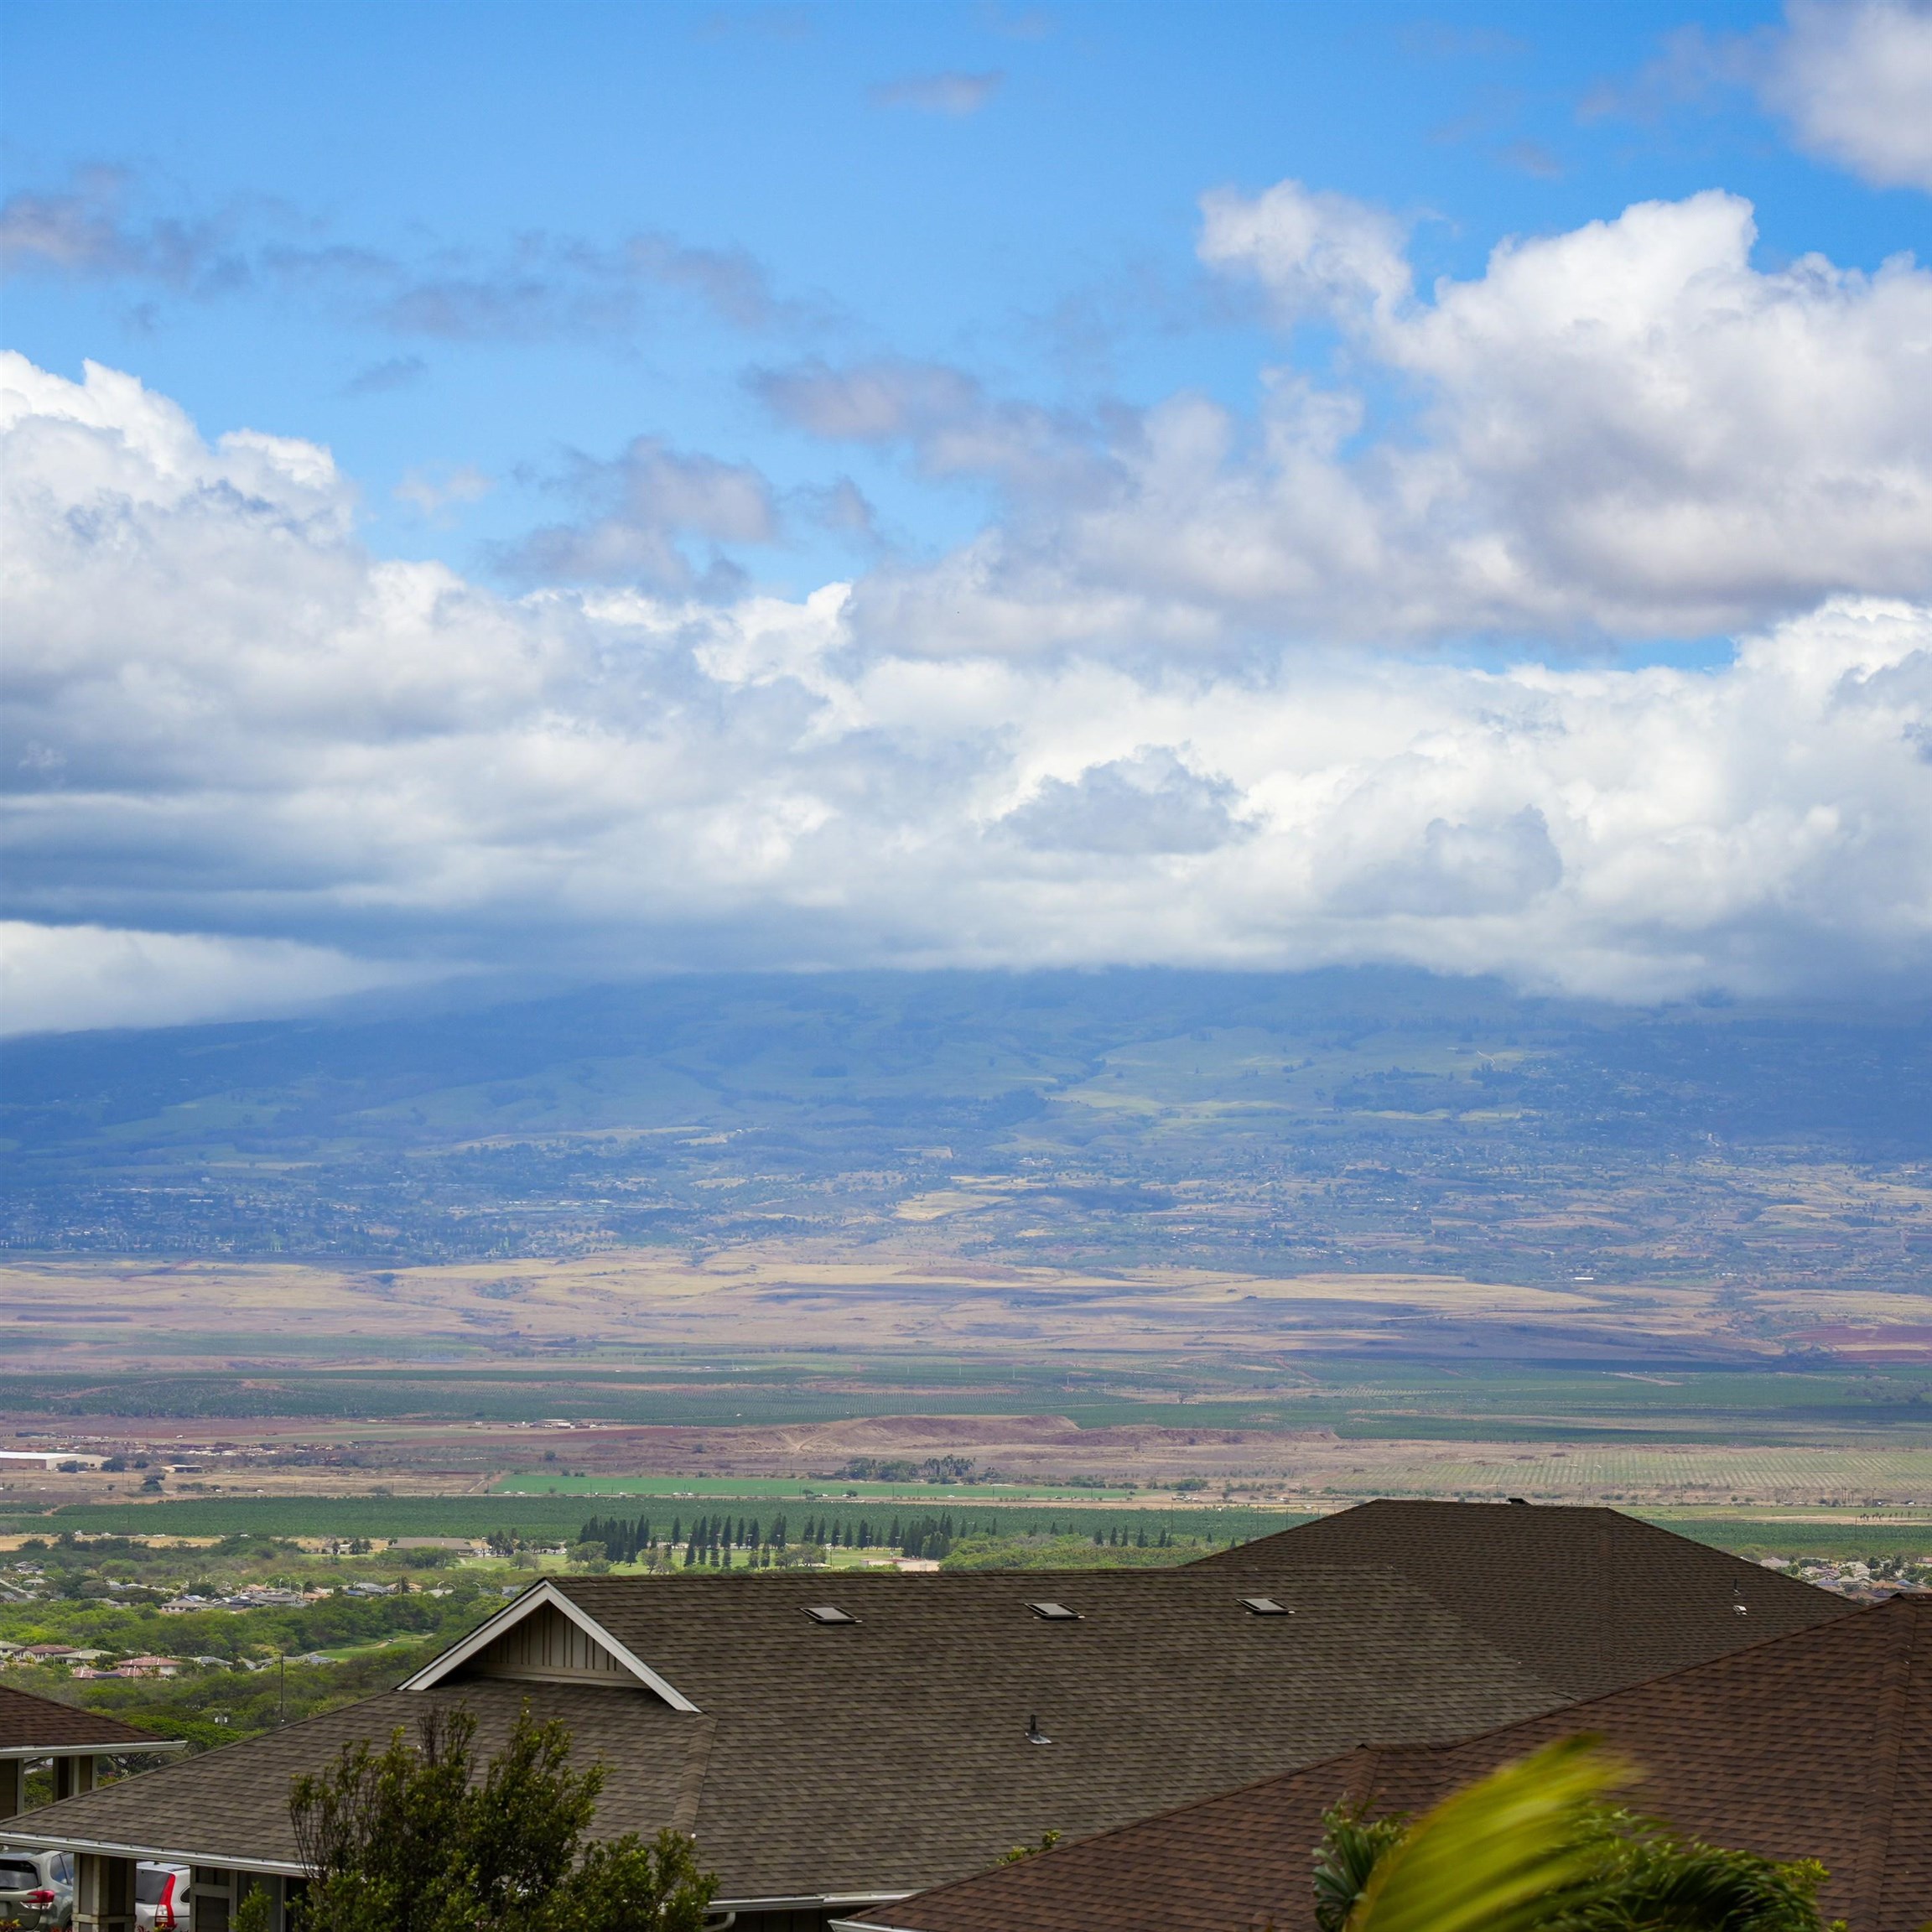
(232,1805)
(1588,1598)
(27,1720)
(1812,1744)
(890,1754)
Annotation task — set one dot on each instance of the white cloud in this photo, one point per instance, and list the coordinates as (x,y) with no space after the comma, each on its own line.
(541,287)
(69,979)
(955,95)
(226,718)
(944,415)
(1855,79)
(1316,252)
(433,489)
(1629,430)
(1852,80)
(639,507)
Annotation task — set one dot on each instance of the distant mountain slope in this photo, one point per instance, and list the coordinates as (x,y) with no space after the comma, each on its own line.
(1359,1118)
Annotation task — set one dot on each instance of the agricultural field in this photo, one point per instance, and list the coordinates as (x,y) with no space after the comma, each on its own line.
(1023,1248)
(548,1519)
(761,1335)
(541,1482)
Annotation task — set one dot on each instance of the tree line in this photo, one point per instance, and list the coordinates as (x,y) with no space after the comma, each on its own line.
(711,1538)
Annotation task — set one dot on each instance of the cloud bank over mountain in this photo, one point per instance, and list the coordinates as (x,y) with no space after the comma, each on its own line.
(1176,705)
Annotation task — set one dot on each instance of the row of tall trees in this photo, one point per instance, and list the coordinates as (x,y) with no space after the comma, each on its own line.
(630,1540)
(626,1540)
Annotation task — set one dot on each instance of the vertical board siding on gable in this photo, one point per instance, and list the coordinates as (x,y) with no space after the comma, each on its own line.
(546,1646)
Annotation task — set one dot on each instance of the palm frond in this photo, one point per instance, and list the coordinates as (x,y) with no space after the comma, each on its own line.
(1499,1855)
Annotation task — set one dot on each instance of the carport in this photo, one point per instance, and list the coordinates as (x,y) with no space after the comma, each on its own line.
(73,1743)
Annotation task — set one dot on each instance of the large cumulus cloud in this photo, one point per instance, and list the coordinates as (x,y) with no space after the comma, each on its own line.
(225,719)
(1628,431)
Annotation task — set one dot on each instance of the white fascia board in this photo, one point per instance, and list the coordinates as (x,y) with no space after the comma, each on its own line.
(808,1902)
(28,1751)
(512,1614)
(153,1854)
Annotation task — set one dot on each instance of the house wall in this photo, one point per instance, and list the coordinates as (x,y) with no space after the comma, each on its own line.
(216,1893)
(546,1647)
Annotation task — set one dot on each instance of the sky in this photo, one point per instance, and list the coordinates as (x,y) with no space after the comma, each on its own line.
(584,491)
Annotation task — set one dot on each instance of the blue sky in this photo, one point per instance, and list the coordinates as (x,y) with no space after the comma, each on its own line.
(615,487)
(1035,225)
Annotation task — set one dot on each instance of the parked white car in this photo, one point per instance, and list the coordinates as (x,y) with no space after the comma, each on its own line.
(161,1898)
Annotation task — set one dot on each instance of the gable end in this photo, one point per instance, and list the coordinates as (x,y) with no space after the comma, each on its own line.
(547,1647)
(544,1638)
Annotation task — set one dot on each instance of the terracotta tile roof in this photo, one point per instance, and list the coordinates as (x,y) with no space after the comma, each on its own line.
(27,1720)
(892,1753)
(1588,1598)
(1812,1744)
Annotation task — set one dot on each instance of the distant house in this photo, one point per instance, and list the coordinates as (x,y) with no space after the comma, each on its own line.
(839,1742)
(1816,1744)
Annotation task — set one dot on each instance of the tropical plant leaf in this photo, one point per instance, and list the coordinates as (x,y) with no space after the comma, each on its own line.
(1352,1844)
(1501,1855)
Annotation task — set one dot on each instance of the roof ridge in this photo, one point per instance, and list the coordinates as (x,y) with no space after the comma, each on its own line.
(691,1778)
(1810,1632)
(1191,1572)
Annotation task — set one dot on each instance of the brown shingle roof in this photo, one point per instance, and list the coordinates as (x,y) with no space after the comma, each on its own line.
(1588,1598)
(1812,1744)
(891,1753)
(27,1720)
(232,1805)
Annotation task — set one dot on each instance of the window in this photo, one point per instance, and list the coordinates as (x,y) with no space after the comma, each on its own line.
(828,1613)
(1055,1612)
(1264,1606)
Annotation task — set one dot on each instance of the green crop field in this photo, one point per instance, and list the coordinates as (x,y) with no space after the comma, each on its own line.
(549,1482)
(1835,1537)
(1475,1400)
(563,1516)
(1771,1533)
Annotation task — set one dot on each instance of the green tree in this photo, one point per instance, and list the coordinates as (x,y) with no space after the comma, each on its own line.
(1352,1846)
(410,1839)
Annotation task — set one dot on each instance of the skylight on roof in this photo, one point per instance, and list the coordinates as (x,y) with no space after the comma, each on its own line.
(829,1613)
(1264,1606)
(1055,1612)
